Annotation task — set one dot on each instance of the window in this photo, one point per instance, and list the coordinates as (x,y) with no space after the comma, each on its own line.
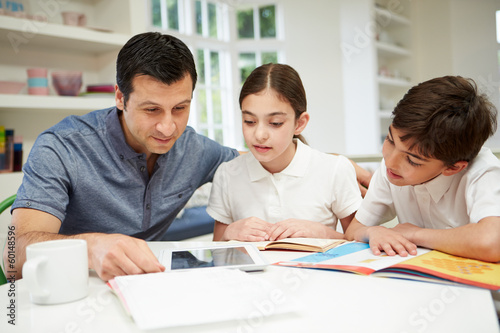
(258,36)
(165,14)
(222,64)
(213,98)
(261,19)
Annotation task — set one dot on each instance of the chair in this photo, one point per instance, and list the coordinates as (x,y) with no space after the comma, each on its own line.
(3,206)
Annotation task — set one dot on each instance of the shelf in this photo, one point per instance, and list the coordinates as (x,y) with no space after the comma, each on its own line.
(385,114)
(389,81)
(389,17)
(54,102)
(390,50)
(21,32)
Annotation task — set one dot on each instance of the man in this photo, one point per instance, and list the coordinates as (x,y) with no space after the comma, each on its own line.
(119,176)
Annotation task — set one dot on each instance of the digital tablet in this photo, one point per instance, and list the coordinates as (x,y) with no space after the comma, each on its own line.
(242,256)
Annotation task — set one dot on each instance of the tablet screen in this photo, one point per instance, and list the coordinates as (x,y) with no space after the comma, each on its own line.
(215,257)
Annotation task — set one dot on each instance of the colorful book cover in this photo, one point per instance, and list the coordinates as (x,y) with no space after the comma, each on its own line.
(427,265)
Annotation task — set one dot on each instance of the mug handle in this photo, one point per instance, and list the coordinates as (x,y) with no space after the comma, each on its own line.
(30,268)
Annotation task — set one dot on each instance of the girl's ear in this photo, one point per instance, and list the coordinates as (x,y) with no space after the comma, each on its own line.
(455,168)
(301,123)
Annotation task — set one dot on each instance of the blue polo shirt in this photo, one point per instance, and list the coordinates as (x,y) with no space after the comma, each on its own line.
(84,173)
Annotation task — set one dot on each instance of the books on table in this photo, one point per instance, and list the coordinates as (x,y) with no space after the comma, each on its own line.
(427,265)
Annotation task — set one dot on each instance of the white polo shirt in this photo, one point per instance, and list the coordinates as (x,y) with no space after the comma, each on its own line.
(315,186)
(444,202)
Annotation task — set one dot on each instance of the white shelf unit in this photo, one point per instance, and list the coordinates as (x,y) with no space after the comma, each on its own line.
(91,49)
(394,50)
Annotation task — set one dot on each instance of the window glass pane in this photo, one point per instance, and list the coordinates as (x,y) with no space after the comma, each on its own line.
(156,13)
(173,14)
(215,69)
(201,66)
(217,106)
(204,132)
(202,105)
(267,22)
(245,24)
(246,63)
(212,20)
(268,57)
(218,136)
(199,18)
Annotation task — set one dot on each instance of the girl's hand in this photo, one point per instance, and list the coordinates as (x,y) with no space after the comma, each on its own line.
(251,229)
(292,228)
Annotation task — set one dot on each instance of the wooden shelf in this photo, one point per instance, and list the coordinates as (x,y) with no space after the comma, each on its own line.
(20,33)
(33,102)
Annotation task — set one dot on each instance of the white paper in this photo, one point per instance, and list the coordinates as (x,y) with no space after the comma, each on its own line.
(200,296)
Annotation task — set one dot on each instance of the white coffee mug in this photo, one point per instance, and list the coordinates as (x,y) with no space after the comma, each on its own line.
(57,271)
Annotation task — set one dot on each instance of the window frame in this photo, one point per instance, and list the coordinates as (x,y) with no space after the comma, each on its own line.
(229,47)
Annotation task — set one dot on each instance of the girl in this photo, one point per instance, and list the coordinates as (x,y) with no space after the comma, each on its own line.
(283,188)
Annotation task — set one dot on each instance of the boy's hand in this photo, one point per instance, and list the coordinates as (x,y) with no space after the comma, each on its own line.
(407,230)
(251,229)
(389,241)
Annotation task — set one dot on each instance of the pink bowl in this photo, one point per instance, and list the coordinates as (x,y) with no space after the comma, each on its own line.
(67,83)
(11,87)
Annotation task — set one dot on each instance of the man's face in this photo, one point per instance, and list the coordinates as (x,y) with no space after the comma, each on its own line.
(156,114)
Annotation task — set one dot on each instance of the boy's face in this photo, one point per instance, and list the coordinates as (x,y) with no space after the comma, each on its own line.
(156,114)
(408,167)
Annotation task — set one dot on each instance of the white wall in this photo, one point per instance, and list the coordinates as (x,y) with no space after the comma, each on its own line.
(313,37)
(451,37)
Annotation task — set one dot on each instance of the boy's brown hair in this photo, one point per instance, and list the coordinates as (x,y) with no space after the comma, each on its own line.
(445,118)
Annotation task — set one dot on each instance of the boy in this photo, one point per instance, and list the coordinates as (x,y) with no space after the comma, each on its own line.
(436,177)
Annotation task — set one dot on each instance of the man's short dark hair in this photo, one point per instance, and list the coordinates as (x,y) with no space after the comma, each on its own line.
(163,57)
(446,118)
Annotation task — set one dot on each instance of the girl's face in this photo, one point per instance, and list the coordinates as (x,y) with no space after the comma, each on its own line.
(269,125)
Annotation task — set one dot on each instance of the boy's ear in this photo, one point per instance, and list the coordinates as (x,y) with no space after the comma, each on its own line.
(119,98)
(455,168)
(301,123)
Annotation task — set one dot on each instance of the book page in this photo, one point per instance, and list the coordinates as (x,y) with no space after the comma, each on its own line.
(196,297)
(351,257)
(315,244)
(458,269)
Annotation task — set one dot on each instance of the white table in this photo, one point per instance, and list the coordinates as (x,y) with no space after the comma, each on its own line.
(332,302)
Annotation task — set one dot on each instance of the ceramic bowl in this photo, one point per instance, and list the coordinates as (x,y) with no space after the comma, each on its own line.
(67,83)
(74,18)
(11,87)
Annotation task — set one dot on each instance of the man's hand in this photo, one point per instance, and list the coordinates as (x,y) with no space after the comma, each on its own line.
(292,228)
(115,254)
(251,229)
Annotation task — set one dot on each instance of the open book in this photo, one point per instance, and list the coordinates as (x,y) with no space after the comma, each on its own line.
(300,244)
(427,265)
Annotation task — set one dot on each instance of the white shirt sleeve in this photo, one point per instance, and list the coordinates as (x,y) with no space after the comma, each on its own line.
(347,194)
(378,204)
(219,207)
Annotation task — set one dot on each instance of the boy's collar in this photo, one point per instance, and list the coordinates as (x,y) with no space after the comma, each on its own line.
(437,187)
